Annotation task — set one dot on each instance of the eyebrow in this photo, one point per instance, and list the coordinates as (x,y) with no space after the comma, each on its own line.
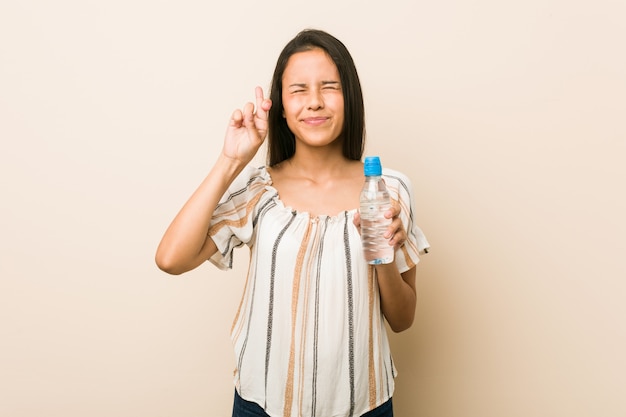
(302,85)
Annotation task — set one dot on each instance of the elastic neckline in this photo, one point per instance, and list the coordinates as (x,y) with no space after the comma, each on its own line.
(270,187)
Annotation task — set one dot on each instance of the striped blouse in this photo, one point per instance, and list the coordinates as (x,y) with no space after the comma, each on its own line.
(309,335)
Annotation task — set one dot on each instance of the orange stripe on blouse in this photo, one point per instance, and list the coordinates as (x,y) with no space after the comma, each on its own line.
(371,365)
(238,222)
(294,315)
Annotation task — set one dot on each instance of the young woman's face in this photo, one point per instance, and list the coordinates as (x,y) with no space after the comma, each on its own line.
(313,98)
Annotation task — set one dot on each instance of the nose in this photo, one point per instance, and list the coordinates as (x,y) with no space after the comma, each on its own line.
(316,100)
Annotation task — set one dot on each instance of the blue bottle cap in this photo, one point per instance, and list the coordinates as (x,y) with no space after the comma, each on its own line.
(372,166)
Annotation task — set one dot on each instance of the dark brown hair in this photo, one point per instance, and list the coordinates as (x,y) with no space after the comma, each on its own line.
(281,141)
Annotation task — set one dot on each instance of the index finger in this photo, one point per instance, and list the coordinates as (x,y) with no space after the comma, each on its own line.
(394,210)
(261,103)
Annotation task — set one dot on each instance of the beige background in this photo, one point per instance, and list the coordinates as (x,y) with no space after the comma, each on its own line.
(508,116)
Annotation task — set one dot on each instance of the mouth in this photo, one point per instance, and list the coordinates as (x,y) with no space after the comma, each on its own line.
(314,121)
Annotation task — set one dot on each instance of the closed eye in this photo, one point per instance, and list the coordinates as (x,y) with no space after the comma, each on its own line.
(325,85)
(297,88)
(331,85)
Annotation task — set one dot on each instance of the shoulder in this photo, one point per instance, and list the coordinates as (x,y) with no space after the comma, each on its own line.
(252,175)
(396,179)
(251,181)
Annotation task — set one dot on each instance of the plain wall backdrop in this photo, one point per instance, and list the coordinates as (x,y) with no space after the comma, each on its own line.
(507,116)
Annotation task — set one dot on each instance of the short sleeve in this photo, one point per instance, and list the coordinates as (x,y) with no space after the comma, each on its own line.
(400,189)
(232,223)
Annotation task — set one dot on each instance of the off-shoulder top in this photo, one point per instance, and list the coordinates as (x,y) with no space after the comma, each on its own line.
(309,335)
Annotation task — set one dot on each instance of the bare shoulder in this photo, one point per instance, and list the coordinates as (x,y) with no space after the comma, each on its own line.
(276,172)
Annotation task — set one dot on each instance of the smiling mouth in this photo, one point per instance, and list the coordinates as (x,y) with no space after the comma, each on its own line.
(315,120)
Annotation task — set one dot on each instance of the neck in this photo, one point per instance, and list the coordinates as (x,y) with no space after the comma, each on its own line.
(318,166)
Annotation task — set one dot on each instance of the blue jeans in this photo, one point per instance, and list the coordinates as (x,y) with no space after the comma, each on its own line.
(243,408)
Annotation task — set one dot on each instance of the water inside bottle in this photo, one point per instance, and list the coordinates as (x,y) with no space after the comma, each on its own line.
(373,226)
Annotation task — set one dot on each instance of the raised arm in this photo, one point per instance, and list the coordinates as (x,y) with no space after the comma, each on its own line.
(185,244)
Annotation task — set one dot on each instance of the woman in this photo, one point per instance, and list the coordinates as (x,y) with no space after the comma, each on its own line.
(309,335)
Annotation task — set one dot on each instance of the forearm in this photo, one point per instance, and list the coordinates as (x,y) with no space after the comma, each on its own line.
(185,244)
(397,296)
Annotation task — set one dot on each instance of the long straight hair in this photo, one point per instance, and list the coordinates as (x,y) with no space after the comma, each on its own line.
(281,140)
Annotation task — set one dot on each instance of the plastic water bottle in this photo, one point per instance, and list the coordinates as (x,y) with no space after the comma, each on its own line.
(374,203)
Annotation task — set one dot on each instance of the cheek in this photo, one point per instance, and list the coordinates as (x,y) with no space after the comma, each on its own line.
(291,109)
(290,117)
(337,103)
(340,110)
(287,114)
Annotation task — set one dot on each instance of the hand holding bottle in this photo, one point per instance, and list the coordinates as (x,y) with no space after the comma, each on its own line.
(376,220)
(395,232)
